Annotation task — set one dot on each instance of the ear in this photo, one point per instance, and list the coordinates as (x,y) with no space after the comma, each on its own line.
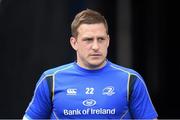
(73,42)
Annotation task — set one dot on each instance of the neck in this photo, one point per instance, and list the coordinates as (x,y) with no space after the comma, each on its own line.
(91,66)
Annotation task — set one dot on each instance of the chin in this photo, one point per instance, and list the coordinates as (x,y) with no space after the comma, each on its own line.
(96,63)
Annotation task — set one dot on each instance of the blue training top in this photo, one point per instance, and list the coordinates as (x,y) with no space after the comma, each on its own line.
(70,91)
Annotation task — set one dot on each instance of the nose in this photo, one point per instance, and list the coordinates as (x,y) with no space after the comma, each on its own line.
(95,45)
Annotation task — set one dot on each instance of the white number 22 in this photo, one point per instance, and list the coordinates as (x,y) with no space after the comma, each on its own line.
(89,90)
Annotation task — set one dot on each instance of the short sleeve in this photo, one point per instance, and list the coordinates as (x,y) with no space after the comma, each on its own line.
(141,106)
(40,105)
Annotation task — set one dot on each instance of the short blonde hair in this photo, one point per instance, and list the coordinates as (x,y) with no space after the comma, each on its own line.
(87,16)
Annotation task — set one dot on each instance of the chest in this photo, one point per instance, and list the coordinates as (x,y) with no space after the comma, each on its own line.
(90,96)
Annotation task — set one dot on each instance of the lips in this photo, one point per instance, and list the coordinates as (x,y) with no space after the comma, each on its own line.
(96,54)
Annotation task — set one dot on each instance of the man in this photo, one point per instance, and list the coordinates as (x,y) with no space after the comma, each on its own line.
(91,87)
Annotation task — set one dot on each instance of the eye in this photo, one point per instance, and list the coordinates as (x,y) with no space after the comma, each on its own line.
(101,39)
(88,39)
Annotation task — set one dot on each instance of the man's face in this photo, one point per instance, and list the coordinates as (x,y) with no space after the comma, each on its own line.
(91,45)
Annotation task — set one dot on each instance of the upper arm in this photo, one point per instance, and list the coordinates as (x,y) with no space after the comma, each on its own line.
(40,105)
(140,102)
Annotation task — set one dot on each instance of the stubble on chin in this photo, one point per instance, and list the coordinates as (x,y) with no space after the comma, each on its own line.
(96,64)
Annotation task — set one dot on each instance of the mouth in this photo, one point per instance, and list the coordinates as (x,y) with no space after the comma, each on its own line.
(96,54)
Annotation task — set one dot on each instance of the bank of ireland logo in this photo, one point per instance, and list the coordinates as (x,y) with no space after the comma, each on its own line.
(89,102)
(71,91)
(109,90)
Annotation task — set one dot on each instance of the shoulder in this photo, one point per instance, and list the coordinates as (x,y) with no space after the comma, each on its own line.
(129,71)
(53,71)
(48,74)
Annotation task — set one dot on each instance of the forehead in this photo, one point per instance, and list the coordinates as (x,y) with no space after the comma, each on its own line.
(92,29)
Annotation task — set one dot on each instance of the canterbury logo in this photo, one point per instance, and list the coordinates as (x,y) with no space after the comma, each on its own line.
(71,91)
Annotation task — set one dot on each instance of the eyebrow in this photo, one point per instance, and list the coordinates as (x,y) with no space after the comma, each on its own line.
(88,38)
